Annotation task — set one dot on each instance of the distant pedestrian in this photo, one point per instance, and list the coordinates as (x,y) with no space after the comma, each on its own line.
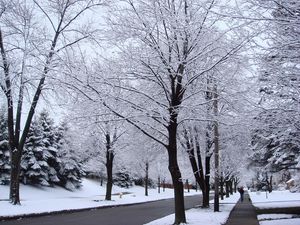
(241,191)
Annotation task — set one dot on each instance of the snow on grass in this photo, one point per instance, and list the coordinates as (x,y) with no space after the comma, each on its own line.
(204,216)
(275,199)
(36,200)
(275,216)
(281,222)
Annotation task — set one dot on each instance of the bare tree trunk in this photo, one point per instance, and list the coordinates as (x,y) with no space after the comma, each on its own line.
(14,178)
(187,185)
(158,184)
(175,172)
(197,168)
(109,167)
(235,183)
(271,185)
(207,182)
(146,178)
(222,187)
(231,186)
(208,143)
(227,186)
(216,152)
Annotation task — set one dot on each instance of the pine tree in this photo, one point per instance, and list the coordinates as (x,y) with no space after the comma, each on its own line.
(280,66)
(276,146)
(4,150)
(50,147)
(275,141)
(40,161)
(123,178)
(34,168)
(70,171)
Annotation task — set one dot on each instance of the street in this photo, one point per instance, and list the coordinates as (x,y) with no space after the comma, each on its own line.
(124,215)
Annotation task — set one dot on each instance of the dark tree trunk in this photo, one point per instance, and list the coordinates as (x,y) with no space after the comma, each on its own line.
(235,184)
(158,184)
(216,151)
(208,145)
(175,171)
(14,178)
(146,178)
(271,185)
(207,182)
(187,185)
(231,186)
(197,168)
(109,184)
(227,186)
(164,185)
(109,167)
(222,187)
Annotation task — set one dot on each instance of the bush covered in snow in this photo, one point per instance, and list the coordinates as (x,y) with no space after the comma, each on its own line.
(4,150)
(123,178)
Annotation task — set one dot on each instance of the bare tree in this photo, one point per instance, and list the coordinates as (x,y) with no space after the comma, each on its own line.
(22,26)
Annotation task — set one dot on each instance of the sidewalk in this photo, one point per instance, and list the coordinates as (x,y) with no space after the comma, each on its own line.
(243,213)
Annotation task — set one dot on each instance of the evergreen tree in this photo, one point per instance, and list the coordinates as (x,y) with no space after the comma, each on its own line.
(50,146)
(276,145)
(4,150)
(70,171)
(40,161)
(34,168)
(275,140)
(123,178)
(49,157)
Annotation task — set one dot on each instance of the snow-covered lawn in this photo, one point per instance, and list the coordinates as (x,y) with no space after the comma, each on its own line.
(46,199)
(276,199)
(281,222)
(204,216)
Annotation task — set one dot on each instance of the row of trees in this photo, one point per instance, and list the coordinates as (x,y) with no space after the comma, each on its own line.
(48,158)
(174,71)
(172,66)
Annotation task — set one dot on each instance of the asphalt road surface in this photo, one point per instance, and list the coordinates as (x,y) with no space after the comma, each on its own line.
(123,215)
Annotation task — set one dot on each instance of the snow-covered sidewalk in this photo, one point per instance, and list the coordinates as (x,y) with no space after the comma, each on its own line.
(204,216)
(37,200)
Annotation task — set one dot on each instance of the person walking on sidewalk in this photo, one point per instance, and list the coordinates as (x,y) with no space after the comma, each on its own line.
(241,191)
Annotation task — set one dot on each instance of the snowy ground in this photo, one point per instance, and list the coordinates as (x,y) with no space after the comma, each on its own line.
(204,216)
(41,200)
(276,199)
